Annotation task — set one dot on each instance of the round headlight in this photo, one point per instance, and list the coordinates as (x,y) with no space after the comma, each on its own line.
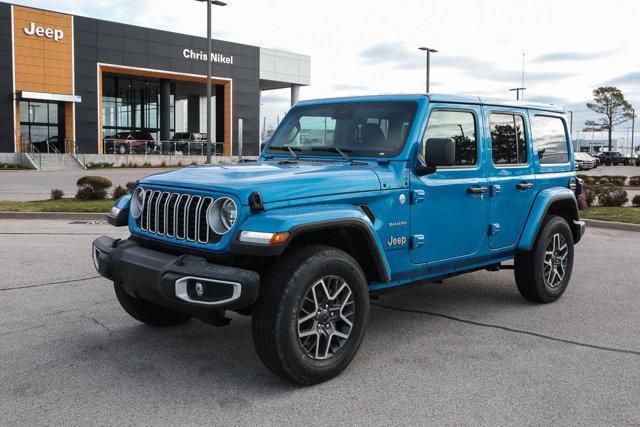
(221,215)
(137,202)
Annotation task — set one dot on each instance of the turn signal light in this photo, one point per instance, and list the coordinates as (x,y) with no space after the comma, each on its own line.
(279,238)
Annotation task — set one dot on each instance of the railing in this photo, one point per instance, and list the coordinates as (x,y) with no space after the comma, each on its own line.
(32,152)
(180,147)
(79,155)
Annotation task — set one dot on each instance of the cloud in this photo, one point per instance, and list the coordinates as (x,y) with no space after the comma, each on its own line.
(573,56)
(626,79)
(397,55)
(349,87)
(275,98)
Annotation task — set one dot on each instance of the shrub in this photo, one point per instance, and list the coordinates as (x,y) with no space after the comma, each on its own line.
(99,165)
(92,187)
(634,181)
(56,194)
(618,180)
(589,196)
(119,191)
(129,186)
(613,197)
(589,180)
(636,200)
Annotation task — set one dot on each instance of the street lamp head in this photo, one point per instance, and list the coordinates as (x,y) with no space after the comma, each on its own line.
(428,49)
(214,2)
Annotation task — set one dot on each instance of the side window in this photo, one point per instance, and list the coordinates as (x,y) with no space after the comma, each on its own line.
(459,126)
(550,140)
(508,139)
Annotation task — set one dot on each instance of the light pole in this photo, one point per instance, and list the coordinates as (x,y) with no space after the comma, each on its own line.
(518,89)
(428,51)
(209,3)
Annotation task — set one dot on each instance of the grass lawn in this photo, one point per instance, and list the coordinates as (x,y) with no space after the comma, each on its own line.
(63,205)
(619,214)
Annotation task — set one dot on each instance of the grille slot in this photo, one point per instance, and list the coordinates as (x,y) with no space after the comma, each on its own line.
(180,216)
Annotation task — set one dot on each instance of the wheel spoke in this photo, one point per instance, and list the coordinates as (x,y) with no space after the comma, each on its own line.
(327,326)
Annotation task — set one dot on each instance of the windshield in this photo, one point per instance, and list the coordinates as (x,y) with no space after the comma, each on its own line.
(367,129)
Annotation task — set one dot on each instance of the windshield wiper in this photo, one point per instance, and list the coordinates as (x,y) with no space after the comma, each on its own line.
(341,151)
(291,150)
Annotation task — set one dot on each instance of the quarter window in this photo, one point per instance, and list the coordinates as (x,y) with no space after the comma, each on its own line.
(459,126)
(550,139)
(508,139)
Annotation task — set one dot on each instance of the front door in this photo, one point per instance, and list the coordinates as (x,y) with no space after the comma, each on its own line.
(449,208)
(511,177)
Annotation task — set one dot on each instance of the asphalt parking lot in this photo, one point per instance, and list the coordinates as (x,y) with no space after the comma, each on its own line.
(469,350)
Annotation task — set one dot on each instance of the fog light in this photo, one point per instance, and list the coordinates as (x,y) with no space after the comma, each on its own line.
(199,289)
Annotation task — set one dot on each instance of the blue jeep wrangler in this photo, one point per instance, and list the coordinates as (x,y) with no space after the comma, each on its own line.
(350,197)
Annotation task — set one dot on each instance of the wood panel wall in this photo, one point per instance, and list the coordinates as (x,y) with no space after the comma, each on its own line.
(42,64)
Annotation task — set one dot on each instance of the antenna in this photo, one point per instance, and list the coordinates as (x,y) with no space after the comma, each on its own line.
(522,83)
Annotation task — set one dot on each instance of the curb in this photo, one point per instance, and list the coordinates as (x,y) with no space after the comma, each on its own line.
(611,225)
(69,216)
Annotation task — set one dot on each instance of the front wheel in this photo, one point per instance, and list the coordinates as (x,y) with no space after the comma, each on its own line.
(543,273)
(310,317)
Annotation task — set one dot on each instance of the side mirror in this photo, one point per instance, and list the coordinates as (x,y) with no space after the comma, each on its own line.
(440,152)
(422,170)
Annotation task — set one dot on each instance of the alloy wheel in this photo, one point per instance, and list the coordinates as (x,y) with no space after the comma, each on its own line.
(555,261)
(325,318)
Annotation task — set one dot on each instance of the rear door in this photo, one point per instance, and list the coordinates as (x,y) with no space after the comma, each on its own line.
(510,172)
(449,208)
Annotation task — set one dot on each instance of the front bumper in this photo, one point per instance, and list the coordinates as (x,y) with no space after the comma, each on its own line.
(187,284)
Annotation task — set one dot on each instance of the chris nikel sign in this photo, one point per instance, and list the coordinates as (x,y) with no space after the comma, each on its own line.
(202,56)
(50,33)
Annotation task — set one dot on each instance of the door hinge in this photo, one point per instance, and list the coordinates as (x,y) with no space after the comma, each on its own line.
(417,241)
(417,196)
(495,190)
(494,229)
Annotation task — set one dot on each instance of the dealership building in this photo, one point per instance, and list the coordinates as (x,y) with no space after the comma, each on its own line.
(81,79)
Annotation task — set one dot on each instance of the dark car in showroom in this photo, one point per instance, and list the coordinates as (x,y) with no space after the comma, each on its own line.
(129,143)
(194,143)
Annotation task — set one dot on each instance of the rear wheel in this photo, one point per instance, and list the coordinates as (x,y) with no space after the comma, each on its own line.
(146,312)
(607,161)
(543,273)
(310,317)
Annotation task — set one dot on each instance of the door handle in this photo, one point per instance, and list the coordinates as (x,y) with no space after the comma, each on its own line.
(475,189)
(524,185)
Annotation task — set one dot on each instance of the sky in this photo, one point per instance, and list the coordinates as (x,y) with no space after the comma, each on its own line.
(371,47)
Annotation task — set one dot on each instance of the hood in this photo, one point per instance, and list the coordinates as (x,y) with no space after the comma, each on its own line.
(274,181)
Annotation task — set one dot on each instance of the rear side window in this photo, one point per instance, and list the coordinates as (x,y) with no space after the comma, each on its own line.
(508,139)
(459,126)
(550,140)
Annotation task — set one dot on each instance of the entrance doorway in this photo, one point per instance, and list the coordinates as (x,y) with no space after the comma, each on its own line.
(42,124)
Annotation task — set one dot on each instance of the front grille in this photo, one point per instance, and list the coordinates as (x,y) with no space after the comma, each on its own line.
(181,216)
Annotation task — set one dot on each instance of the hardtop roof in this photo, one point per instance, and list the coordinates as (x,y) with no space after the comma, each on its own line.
(433,97)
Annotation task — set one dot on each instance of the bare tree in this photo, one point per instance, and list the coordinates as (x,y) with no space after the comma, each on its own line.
(608,101)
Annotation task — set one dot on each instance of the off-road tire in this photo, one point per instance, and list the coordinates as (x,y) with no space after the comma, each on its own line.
(607,161)
(530,265)
(146,312)
(276,313)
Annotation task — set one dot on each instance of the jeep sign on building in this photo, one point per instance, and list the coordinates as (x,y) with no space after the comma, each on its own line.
(76,79)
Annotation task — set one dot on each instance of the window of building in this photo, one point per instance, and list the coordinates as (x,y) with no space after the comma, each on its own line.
(508,139)
(459,126)
(42,122)
(550,139)
(132,105)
